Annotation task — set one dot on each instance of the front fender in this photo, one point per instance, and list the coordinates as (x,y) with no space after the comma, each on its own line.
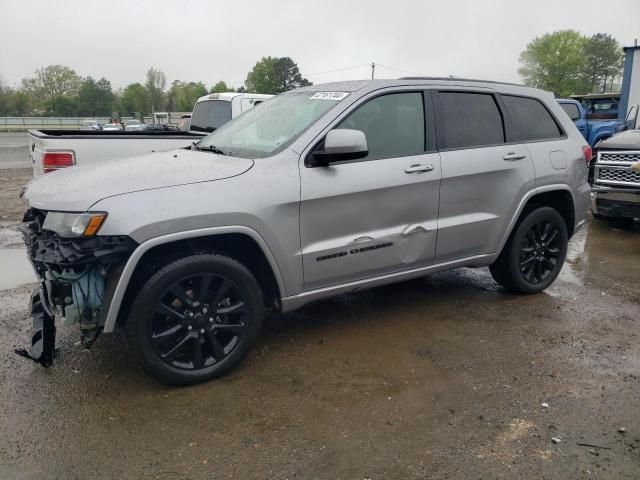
(132,262)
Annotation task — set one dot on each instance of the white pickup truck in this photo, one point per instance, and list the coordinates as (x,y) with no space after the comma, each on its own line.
(52,150)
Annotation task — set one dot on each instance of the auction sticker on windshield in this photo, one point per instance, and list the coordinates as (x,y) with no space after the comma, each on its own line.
(329,96)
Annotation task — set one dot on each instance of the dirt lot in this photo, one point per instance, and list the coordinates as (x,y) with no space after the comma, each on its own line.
(441,377)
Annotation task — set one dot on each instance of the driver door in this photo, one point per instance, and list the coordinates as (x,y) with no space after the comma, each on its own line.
(375,215)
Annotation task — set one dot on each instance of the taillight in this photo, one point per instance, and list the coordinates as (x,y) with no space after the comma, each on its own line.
(588,153)
(52,161)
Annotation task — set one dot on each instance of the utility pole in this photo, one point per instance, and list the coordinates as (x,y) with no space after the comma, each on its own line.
(373,68)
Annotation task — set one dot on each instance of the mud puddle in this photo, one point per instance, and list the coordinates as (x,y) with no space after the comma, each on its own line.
(15,269)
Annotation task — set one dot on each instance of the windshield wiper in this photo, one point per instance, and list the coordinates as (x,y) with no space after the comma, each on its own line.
(208,148)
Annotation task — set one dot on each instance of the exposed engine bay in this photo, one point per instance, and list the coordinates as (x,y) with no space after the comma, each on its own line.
(73,274)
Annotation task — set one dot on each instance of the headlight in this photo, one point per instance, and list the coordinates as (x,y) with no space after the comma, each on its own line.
(74,224)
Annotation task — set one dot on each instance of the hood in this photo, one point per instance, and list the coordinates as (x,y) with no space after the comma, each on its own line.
(77,188)
(627,140)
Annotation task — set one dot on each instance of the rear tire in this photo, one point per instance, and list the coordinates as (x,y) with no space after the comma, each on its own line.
(534,254)
(195,319)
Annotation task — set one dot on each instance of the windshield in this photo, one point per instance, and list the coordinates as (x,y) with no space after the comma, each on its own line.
(210,115)
(272,125)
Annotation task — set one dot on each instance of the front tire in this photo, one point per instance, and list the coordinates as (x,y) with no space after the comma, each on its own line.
(195,319)
(534,254)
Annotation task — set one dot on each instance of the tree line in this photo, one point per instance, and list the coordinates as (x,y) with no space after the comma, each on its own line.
(567,62)
(57,90)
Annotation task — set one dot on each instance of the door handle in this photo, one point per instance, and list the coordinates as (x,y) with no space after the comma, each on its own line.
(514,156)
(417,168)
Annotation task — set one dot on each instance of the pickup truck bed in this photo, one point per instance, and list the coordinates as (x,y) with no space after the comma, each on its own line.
(93,147)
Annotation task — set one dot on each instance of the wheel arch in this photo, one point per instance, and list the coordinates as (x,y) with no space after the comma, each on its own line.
(558,197)
(239,242)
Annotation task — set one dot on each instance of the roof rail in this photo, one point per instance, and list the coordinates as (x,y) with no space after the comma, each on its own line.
(461,80)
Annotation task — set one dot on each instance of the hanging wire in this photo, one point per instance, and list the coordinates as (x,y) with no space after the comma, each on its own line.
(401,70)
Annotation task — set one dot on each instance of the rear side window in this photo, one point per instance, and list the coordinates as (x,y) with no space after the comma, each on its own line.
(471,120)
(531,119)
(210,115)
(571,109)
(393,125)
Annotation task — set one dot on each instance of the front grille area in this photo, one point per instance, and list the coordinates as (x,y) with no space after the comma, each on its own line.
(615,168)
(618,175)
(630,157)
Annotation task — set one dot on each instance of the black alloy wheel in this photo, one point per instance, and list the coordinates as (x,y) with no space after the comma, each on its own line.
(198,321)
(534,253)
(195,319)
(540,251)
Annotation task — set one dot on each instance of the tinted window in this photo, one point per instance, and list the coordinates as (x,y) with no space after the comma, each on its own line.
(471,120)
(531,119)
(572,110)
(393,125)
(602,109)
(210,115)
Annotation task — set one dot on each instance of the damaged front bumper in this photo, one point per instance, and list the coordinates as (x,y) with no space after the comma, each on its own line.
(75,274)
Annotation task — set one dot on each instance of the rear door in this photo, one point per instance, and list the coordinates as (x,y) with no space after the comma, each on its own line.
(484,175)
(379,214)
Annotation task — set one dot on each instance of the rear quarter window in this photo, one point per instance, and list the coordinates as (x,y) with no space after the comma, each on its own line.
(531,119)
(571,109)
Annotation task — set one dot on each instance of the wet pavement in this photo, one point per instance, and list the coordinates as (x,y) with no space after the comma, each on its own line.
(14,150)
(441,377)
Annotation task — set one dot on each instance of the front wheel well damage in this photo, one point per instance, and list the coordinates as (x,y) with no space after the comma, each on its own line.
(238,246)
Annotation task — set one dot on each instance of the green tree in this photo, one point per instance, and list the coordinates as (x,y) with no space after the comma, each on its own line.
(555,62)
(95,98)
(61,106)
(135,98)
(156,83)
(221,87)
(603,60)
(275,75)
(52,81)
(182,96)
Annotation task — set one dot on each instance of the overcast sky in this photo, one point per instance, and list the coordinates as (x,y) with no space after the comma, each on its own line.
(198,40)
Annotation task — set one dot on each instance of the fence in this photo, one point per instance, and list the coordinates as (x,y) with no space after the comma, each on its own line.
(25,123)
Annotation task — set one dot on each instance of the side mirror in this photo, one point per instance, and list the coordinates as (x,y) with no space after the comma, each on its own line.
(340,145)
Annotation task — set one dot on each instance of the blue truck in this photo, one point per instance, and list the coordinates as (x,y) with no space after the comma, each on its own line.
(595,115)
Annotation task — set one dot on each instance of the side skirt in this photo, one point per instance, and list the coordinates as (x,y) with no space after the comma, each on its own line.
(296,301)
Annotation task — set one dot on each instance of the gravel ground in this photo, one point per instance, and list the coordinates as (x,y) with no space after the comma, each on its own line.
(442,377)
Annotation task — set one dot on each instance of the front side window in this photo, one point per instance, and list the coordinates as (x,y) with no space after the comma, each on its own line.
(271,126)
(531,119)
(393,124)
(572,110)
(471,120)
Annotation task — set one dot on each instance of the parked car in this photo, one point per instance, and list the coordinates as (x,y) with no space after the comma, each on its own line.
(133,125)
(320,191)
(109,127)
(160,127)
(214,110)
(594,127)
(56,149)
(92,125)
(615,177)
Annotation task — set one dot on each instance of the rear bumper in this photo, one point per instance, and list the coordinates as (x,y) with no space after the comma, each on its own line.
(615,202)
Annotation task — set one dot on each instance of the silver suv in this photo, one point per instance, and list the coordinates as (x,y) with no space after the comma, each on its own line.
(319,191)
